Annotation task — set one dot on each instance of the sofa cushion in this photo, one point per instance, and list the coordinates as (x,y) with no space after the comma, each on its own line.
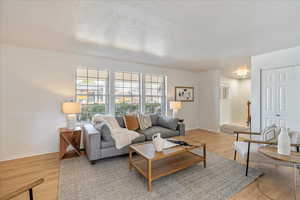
(141,138)
(154,119)
(167,122)
(131,122)
(111,143)
(104,131)
(165,132)
(120,121)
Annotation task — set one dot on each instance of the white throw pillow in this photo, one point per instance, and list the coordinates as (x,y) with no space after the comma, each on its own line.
(144,121)
(110,120)
(97,118)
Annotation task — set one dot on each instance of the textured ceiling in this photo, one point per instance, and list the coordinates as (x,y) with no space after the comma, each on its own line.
(191,34)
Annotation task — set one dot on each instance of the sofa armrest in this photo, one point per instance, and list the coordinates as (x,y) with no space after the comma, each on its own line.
(92,142)
(181,128)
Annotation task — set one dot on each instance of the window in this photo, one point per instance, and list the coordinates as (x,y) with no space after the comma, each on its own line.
(92,91)
(127,92)
(154,94)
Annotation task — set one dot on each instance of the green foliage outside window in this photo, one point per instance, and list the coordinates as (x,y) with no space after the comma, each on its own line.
(88,111)
(123,108)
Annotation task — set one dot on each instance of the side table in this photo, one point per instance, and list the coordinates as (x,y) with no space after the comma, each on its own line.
(287,179)
(69,137)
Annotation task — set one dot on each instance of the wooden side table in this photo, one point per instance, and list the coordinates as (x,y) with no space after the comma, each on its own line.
(287,183)
(69,137)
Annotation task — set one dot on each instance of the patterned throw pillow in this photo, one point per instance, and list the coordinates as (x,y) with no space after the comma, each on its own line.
(269,133)
(131,122)
(144,121)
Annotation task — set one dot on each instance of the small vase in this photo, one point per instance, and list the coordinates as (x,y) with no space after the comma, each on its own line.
(284,142)
(158,142)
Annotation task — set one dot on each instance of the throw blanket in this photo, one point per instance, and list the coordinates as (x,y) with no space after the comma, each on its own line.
(122,136)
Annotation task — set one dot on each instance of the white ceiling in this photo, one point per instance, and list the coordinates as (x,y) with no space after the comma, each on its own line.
(190,34)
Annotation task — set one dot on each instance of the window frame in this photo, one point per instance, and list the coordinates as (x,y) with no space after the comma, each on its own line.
(124,96)
(87,77)
(163,95)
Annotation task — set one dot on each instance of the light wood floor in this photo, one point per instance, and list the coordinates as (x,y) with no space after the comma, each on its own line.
(16,173)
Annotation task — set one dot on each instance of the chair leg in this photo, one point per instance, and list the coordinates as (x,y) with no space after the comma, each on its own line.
(297,148)
(248,155)
(30,194)
(237,139)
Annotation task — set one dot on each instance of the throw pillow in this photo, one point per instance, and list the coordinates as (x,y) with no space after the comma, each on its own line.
(120,121)
(97,118)
(170,123)
(144,121)
(269,133)
(110,120)
(154,119)
(131,122)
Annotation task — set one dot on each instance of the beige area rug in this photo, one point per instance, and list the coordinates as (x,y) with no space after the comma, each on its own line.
(110,179)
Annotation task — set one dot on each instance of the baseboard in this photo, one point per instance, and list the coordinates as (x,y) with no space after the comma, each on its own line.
(25,156)
(192,129)
(203,129)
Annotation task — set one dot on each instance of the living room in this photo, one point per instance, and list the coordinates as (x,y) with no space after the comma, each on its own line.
(136,91)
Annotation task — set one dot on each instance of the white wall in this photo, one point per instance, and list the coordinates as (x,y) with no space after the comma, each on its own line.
(234,109)
(209,84)
(34,82)
(276,59)
(1,104)
(240,97)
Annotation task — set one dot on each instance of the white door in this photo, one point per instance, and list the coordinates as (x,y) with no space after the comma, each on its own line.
(293,100)
(280,97)
(268,90)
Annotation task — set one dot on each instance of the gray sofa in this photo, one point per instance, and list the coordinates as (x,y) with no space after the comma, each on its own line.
(99,144)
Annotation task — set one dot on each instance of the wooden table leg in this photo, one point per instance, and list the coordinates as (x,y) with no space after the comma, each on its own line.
(204,155)
(149,176)
(63,147)
(130,159)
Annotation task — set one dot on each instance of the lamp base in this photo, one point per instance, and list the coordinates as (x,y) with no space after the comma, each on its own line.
(174,113)
(71,121)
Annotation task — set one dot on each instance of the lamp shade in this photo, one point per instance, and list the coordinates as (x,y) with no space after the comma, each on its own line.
(175,105)
(71,108)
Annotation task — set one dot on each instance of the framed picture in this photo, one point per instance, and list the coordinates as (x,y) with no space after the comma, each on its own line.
(185,94)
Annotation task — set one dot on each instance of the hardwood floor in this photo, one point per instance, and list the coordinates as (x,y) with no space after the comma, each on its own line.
(16,173)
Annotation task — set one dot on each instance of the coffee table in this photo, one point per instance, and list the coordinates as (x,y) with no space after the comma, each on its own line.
(153,165)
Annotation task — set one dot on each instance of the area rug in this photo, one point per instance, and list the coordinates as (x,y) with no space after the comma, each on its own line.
(110,179)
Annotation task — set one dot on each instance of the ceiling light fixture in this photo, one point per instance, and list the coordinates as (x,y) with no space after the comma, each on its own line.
(242,72)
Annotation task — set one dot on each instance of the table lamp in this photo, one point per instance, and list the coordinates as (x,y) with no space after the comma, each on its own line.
(175,106)
(71,109)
